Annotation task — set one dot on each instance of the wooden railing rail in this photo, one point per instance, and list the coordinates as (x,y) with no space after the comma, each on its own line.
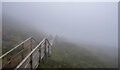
(14,48)
(32,60)
(27,54)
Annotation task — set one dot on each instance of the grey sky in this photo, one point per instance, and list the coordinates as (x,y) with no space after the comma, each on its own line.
(83,22)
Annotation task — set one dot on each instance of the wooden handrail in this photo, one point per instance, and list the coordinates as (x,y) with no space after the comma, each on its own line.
(42,46)
(15,48)
(30,53)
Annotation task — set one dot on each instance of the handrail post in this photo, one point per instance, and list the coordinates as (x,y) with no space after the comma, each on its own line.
(9,59)
(48,50)
(31,64)
(31,44)
(40,54)
(45,49)
(22,56)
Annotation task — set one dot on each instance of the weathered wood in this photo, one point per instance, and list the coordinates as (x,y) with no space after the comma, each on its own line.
(32,60)
(30,54)
(22,55)
(9,56)
(40,54)
(48,51)
(14,48)
(45,52)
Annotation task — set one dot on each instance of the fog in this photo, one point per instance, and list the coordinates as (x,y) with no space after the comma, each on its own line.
(86,23)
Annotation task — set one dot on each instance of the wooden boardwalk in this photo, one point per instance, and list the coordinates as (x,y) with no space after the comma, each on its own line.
(27,54)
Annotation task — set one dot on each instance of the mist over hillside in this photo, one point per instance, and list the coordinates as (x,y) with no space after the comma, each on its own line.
(13,34)
(82,39)
(65,54)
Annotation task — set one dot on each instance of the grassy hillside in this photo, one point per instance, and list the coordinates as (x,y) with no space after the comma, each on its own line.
(68,55)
